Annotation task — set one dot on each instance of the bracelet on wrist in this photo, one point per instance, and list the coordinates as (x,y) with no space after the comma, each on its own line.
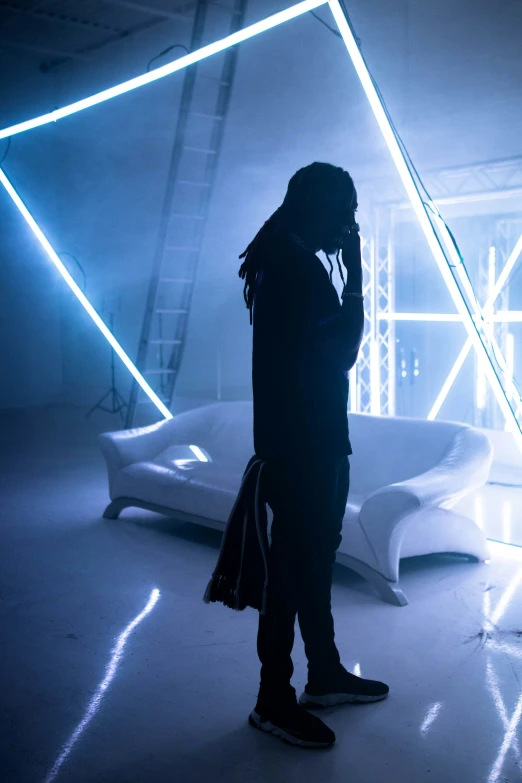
(352,293)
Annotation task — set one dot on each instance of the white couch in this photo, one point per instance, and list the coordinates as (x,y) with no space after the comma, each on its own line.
(406,474)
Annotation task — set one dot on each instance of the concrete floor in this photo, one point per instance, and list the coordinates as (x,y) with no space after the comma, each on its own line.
(113,669)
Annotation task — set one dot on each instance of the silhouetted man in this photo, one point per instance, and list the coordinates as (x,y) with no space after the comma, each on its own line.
(304,344)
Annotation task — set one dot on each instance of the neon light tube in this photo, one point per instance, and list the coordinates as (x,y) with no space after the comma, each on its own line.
(448,383)
(442,317)
(457,263)
(501,315)
(33,225)
(510,353)
(510,360)
(481,390)
(483,317)
(375,379)
(492,271)
(508,266)
(166,70)
(508,315)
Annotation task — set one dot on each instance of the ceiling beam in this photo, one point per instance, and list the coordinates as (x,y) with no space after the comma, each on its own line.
(47,50)
(63,19)
(86,50)
(58,57)
(182,14)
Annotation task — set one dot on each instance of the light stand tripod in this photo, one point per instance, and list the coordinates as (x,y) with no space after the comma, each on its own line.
(118,403)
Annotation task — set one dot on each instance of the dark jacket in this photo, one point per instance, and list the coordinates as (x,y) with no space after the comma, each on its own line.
(304,345)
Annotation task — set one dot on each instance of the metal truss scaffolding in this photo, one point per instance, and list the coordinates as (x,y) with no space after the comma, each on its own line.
(375,375)
(483,182)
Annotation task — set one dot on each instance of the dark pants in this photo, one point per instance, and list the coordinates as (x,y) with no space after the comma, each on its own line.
(308,501)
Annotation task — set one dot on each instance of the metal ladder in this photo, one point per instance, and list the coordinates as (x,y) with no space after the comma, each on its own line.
(204,104)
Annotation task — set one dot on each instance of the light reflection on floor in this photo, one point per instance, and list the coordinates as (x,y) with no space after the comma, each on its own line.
(431,714)
(110,672)
(492,618)
(500,517)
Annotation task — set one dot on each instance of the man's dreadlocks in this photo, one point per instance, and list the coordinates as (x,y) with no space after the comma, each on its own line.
(307,190)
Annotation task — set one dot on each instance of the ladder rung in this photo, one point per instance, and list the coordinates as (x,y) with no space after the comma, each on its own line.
(175,280)
(207,116)
(190,217)
(200,149)
(169,310)
(215,79)
(222,5)
(161,371)
(193,182)
(164,342)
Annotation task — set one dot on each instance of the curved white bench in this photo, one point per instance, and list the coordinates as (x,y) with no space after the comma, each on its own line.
(406,474)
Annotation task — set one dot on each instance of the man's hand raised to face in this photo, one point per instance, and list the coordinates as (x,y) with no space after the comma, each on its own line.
(351,254)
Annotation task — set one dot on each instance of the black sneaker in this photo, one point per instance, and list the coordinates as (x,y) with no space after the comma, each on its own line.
(344,688)
(294,725)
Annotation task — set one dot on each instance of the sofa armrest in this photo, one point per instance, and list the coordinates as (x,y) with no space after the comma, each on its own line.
(123,447)
(464,467)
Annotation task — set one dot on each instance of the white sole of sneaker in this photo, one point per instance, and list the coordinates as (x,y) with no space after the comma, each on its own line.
(333,699)
(270,728)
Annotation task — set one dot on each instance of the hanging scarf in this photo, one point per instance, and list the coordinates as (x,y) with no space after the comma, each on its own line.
(241,574)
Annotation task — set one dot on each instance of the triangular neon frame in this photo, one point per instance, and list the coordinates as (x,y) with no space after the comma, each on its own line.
(435,231)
